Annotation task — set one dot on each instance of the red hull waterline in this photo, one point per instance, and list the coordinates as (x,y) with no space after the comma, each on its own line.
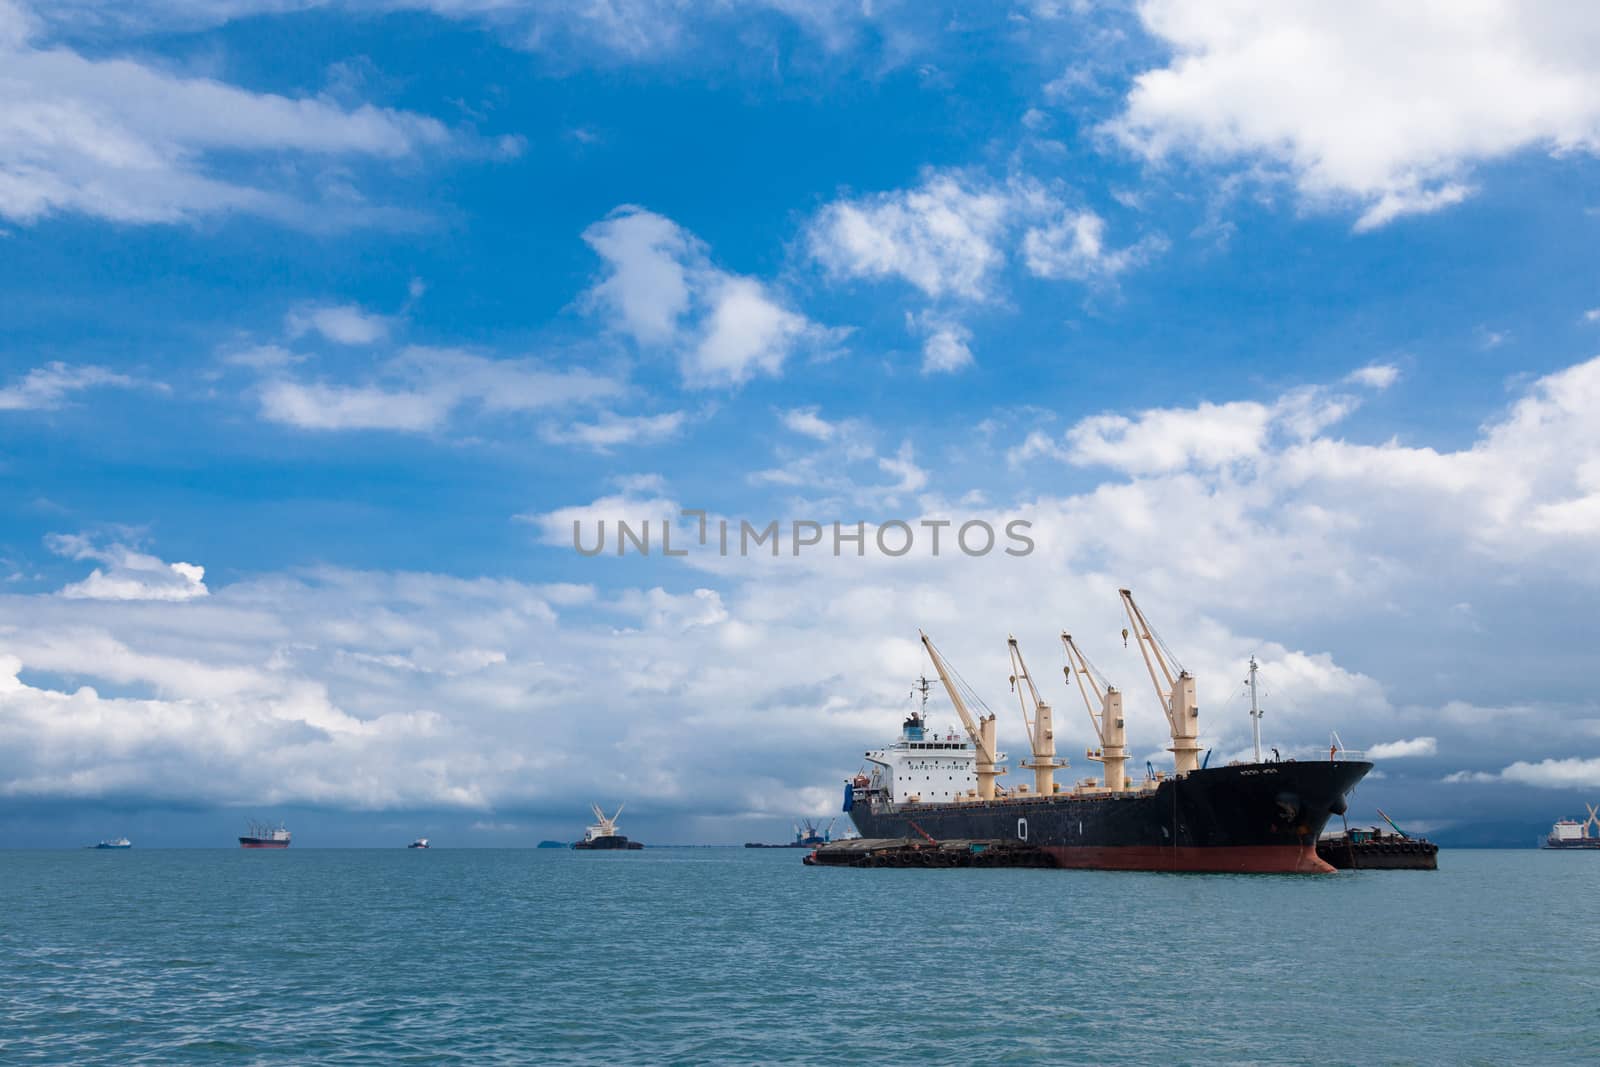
(1239,859)
(263,844)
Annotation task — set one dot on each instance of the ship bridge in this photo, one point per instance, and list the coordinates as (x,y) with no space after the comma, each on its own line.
(923,765)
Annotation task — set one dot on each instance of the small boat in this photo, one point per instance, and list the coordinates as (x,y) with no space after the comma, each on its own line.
(117,843)
(421,842)
(1363,848)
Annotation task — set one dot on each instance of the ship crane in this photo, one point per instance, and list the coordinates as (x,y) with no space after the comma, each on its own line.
(982,730)
(1105,714)
(1039,726)
(1177,698)
(606,827)
(1592,820)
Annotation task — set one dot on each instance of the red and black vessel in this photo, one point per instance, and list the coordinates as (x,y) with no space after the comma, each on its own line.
(1263,817)
(262,835)
(1255,816)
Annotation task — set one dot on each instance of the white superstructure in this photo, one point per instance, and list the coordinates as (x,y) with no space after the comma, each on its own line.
(925,766)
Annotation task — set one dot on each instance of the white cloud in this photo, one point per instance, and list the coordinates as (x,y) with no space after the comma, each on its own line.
(127,574)
(1416,746)
(48,386)
(1334,560)
(661,289)
(1573,772)
(951,237)
(947,348)
(1206,436)
(611,430)
(808,422)
(421,388)
(1384,107)
(1073,246)
(1375,376)
(943,237)
(118,139)
(344,324)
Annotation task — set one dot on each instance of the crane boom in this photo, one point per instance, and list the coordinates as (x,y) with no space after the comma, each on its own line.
(1177,698)
(982,731)
(1106,719)
(1040,727)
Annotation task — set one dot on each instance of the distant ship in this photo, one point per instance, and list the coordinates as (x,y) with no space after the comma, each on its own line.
(1570,833)
(114,843)
(421,842)
(807,836)
(603,834)
(1249,816)
(262,835)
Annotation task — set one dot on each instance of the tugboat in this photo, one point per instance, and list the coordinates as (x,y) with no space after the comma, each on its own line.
(421,842)
(603,836)
(1570,833)
(117,843)
(1371,849)
(262,835)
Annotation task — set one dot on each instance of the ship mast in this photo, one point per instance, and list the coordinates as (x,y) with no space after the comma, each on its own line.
(1040,727)
(1178,698)
(1255,709)
(1107,719)
(982,731)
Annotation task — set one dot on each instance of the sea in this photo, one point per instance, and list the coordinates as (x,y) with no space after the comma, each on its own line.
(716,955)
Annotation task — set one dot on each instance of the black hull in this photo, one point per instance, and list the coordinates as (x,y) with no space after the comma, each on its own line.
(1262,817)
(614,843)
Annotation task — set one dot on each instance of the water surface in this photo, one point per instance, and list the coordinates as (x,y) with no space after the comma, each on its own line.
(695,955)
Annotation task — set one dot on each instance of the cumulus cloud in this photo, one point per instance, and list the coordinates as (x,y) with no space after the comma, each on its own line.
(1386,108)
(944,237)
(127,574)
(1206,436)
(1334,561)
(950,236)
(947,348)
(49,386)
(661,289)
(1416,746)
(1073,246)
(119,139)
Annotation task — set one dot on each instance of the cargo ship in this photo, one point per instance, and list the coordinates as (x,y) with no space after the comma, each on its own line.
(262,835)
(114,843)
(1570,833)
(603,836)
(1257,816)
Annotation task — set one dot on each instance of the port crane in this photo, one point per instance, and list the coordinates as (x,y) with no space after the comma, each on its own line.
(1105,714)
(1177,698)
(1040,726)
(982,730)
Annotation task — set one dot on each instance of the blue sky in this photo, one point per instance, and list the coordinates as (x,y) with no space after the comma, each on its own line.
(322,322)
